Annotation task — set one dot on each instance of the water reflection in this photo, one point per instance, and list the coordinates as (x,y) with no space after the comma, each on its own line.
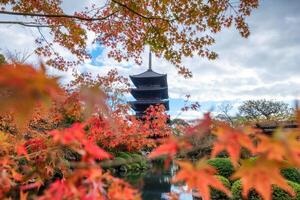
(155,183)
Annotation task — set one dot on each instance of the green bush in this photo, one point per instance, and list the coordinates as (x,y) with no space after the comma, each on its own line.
(120,160)
(217,194)
(277,194)
(124,155)
(291,174)
(223,165)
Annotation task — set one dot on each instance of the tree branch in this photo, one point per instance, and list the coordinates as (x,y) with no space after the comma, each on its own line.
(57,15)
(28,24)
(138,14)
(50,46)
(232,7)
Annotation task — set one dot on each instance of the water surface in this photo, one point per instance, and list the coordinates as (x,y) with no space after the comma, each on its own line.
(155,183)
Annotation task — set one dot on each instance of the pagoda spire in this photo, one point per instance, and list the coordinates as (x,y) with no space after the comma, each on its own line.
(150,60)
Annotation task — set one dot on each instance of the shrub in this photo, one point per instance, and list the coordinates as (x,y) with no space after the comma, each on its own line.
(291,174)
(124,155)
(223,165)
(277,194)
(217,194)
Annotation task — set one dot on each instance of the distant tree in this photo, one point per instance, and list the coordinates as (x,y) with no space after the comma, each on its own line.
(224,113)
(265,109)
(2,59)
(178,121)
(17,56)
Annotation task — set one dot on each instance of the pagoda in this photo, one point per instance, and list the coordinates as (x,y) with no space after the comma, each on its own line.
(151,88)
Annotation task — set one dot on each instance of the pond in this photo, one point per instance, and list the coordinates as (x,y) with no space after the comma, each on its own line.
(155,184)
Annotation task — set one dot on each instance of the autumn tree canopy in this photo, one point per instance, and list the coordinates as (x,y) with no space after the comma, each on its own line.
(173,29)
(44,129)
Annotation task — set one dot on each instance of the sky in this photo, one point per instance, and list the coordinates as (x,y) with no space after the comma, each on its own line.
(266,65)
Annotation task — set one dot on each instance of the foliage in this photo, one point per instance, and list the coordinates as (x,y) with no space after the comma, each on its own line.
(130,134)
(231,140)
(2,59)
(37,89)
(43,126)
(179,121)
(265,110)
(216,194)
(277,193)
(73,134)
(173,29)
(190,174)
(273,153)
(261,174)
(55,135)
(223,165)
(291,174)
(131,161)
(224,114)
(112,84)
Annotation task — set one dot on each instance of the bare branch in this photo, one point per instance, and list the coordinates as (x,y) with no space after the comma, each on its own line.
(17,56)
(44,38)
(232,7)
(27,24)
(57,15)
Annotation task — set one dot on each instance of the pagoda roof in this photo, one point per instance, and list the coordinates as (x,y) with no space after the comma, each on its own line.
(142,105)
(150,88)
(149,101)
(150,93)
(148,74)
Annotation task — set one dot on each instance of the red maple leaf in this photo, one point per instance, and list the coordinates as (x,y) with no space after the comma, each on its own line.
(95,151)
(200,176)
(231,140)
(260,174)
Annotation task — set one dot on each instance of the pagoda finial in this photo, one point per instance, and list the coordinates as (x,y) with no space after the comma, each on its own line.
(150,60)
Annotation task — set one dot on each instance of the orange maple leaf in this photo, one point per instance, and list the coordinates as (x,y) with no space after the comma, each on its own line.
(17,176)
(260,174)
(293,146)
(69,135)
(21,150)
(202,127)
(170,147)
(274,148)
(23,87)
(96,151)
(231,140)
(281,146)
(200,176)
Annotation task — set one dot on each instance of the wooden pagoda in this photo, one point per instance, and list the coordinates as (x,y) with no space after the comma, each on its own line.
(151,88)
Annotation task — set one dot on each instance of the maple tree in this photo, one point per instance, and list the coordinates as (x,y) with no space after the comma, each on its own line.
(68,133)
(259,173)
(70,142)
(56,135)
(173,29)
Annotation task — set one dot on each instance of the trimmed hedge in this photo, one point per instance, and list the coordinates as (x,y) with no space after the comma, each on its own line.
(217,194)
(277,194)
(291,174)
(223,165)
(124,155)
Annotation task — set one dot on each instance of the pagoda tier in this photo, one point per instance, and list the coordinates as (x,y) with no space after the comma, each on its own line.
(150,93)
(151,89)
(142,105)
(149,78)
